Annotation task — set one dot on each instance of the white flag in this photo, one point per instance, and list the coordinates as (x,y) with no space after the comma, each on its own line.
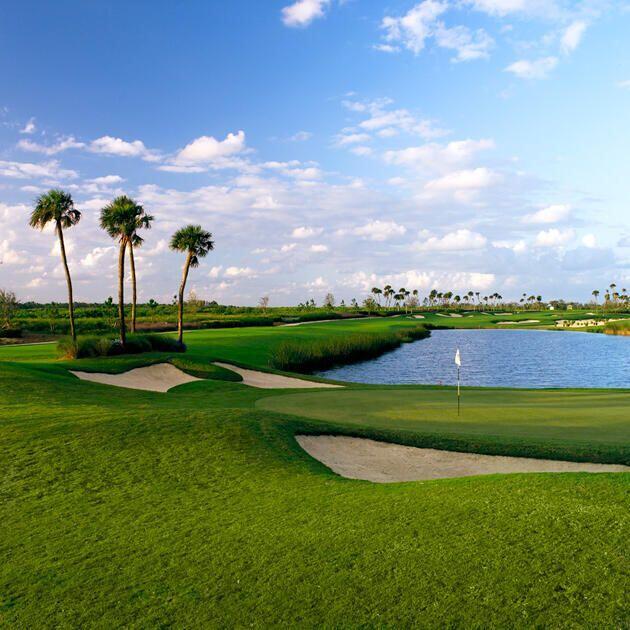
(458,361)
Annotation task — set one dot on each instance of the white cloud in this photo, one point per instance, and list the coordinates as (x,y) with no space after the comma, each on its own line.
(107,180)
(553,237)
(380,230)
(572,36)
(386,48)
(300,136)
(318,248)
(62,144)
(28,170)
(464,180)
(459,240)
(306,232)
(421,23)
(536,69)
(109,145)
(423,280)
(95,257)
(438,157)
(468,44)
(361,151)
(215,271)
(206,149)
(416,26)
(29,127)
(551,214)
(351,138)
(590,241)
(9,256)
(624,85)
(501,7)
(303,12)
(518,247)
(240,272)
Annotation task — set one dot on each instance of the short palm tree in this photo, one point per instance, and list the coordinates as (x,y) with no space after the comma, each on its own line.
(56,206)
(121,219)
(195,242)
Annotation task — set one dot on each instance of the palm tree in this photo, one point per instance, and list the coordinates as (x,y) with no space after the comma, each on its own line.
(196,242)
(377,292)
(119,220)
(595,294)
(138,220)
(57,206)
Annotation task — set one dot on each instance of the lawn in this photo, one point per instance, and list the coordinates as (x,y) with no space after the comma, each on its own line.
(197,508)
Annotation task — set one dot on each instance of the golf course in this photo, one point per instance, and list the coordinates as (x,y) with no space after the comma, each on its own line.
(197,507)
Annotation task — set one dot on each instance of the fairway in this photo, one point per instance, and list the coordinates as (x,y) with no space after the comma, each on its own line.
(197,507)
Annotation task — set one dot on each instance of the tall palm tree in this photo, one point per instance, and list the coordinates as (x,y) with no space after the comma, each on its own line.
(138,219)
(118,219)
(377,293)
(57,206)
(196,243)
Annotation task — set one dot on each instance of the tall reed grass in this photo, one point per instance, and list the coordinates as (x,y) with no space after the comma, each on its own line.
(621,327)
(319,354)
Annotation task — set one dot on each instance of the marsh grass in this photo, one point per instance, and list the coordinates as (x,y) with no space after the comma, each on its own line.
(318,354)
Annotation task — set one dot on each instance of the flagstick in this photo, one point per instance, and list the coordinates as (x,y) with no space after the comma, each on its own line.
(458,393)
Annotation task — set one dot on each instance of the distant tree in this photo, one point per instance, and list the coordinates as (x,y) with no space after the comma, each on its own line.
(195,242)
(57,207)
(329,301)
(264,302)
(354,304)
(377,293)
(8,306)
(152,304)
(369,304)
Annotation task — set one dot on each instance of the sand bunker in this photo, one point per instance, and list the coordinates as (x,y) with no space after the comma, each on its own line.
(358,458)
(522,321)
(155,378)
(418,316)
(264,380)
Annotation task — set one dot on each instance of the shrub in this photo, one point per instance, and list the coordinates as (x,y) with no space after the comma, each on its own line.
(11,333)
(319,354)
(89,347)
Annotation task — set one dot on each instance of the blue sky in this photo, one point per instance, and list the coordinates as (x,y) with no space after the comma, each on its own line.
(329,145)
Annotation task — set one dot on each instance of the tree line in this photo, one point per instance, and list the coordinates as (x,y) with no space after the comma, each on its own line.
(123,219)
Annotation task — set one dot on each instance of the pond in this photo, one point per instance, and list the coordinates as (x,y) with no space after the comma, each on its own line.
(500,358)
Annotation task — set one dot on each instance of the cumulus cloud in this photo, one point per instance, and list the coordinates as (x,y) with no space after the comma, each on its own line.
(551,214)
(380,230)
(554,237)
(590,241)
(240,272)
(300,136)
(206,149)
(318,248)
(533,69)
(459,240)
(306,232)
(518,247)
(109,145)
(303,12)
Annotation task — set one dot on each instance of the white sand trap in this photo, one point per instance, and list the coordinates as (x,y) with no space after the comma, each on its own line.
(264,380)
(154,378)
(358,458)
(418,316)
(522,321)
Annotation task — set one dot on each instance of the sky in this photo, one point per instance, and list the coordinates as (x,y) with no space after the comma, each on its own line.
(328,145)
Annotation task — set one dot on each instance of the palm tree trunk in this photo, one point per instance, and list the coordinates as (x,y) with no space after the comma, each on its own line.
(134,295)
(62,247)
(121,292)
(180,300)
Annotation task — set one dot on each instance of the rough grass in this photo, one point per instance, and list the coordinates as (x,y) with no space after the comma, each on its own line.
(618,328)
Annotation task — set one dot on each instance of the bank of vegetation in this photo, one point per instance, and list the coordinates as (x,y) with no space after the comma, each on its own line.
(84,347)
(306,356)
(621,327)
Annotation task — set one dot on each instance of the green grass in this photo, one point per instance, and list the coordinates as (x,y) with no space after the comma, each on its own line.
(197,508)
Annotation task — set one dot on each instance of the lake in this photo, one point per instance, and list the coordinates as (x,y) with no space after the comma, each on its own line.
(500,358)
